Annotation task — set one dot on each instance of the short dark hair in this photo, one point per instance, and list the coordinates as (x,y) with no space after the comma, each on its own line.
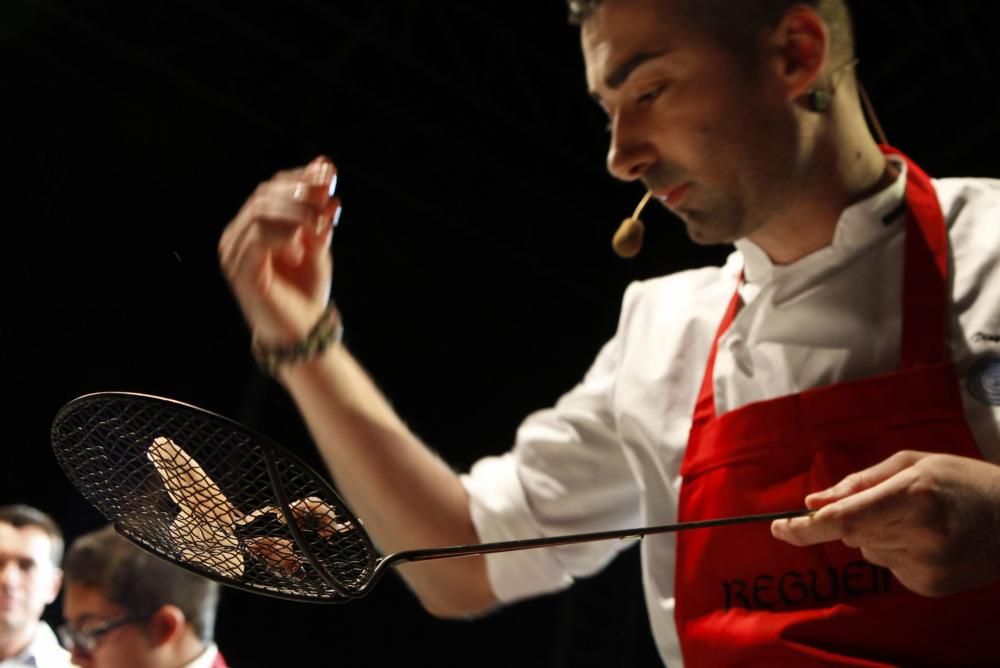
(19,516)
(737,22)
(130,577)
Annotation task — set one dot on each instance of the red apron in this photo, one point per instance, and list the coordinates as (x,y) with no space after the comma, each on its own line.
(745,598)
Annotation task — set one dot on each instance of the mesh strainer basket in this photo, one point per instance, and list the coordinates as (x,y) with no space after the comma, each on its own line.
(215,497)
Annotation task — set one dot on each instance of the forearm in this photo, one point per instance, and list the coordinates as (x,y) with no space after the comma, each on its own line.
(406,495)
(275,255)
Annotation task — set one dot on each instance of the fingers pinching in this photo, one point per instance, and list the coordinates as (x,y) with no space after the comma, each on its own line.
(275,251)
(322,172)
(296,198)
(875,503)
(318,188)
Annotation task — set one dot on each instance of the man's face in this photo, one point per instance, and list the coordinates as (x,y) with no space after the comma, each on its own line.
(711,136)
(28,579)
(126,646)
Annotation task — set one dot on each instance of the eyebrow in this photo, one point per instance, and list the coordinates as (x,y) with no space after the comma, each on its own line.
(20,559)
(620,74)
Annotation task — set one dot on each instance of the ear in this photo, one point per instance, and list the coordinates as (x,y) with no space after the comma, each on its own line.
(57,578)
(166,625)
(802,44)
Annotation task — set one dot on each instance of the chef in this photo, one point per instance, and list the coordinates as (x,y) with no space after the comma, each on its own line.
(845,357)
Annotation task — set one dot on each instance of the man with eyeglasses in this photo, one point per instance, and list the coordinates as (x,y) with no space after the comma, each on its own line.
(125,607)
(31,546)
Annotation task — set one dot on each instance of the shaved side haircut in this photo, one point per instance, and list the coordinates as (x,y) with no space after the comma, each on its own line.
(738,23)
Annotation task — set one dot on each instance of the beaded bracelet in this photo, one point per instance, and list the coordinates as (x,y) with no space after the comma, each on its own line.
(328,330)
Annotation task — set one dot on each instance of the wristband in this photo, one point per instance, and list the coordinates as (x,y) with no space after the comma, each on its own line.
(328,330)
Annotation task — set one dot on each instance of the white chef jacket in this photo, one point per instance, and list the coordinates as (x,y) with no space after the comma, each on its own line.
(44,651)
(607,455)
(206,659)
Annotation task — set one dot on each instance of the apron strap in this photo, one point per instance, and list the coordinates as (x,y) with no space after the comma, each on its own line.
(925,272)
(704,408)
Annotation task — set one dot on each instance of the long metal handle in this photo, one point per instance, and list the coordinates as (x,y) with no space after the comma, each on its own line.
(553,541)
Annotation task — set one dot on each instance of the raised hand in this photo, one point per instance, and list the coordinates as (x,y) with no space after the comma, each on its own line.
(275,252)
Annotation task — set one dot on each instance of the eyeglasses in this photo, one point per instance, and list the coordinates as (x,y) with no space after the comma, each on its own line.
(85,640)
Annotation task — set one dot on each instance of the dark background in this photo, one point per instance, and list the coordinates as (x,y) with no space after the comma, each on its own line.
(473,261)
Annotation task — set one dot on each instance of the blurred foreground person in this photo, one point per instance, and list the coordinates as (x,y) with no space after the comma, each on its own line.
(125,608)
(31,547)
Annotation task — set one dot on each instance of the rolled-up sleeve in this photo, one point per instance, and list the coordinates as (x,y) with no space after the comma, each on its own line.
(566,474)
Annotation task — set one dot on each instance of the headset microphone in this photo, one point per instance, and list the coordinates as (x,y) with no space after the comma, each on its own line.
(627,241)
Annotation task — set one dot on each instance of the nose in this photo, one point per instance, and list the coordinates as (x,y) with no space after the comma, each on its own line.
(10,573)
(630,152)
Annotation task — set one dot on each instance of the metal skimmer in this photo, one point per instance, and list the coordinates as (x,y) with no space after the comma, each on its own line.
(217,498)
